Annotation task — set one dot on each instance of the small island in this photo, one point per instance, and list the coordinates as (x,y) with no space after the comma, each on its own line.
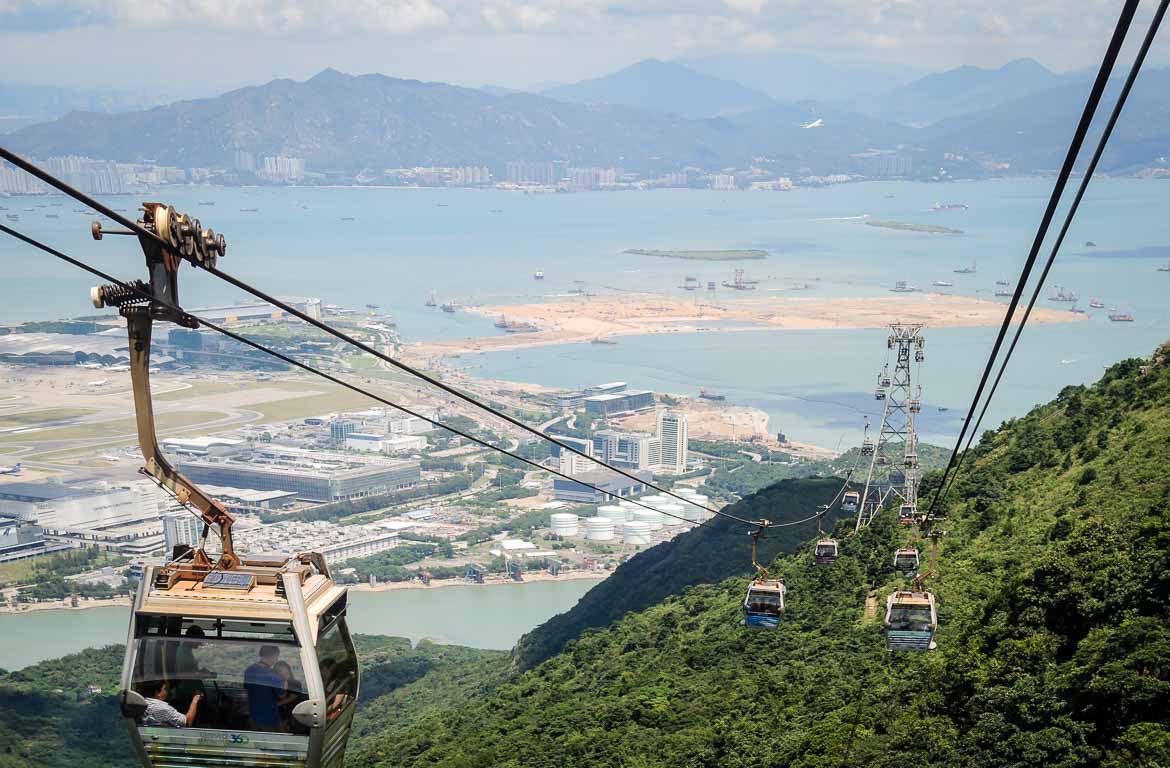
(741,255)
(933,229)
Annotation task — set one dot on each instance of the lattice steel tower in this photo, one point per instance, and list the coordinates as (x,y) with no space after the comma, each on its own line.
(893,464)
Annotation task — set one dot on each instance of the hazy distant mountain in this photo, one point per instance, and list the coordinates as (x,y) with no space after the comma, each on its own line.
(664,87)
(1032,132)
(799,77)
(348,123)
(46,102)
(963,90)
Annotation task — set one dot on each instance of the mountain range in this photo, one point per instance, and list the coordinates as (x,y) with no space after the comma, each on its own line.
(644,118)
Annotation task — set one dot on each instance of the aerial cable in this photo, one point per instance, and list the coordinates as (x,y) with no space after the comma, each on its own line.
(329,377)
(1102,80)
(53,181)
(1139,60)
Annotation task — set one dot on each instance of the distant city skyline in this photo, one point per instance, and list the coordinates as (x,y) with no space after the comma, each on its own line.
(202,47)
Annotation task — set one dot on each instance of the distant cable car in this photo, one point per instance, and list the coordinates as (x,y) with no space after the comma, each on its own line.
(885,380)
(911,621)
(879,394)
(851,499)
(915,405)
(919,356)
(240,661)
(906,561)
(825,552)
(907,514)
(764,604)
(867,447)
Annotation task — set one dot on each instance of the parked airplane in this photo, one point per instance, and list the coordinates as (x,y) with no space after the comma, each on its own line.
(13,470)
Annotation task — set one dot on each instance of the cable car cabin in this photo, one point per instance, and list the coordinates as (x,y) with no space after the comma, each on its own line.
(764,604)
(879,394)
(867,447)
(850,501)
(248,667)
(907,514)
(915,405)
(911,620)
(825,552)
(906,561)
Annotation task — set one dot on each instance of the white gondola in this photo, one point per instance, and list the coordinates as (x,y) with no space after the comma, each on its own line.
(231,660)
(915,405)
(911,621)
(851,499)
(907,514)
(906,561)
(825,552)
(764,604)
(867,447)
(879,394)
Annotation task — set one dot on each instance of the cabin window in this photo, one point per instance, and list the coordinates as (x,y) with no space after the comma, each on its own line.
(339,670)
(246,685)
(764,603)
(910,617)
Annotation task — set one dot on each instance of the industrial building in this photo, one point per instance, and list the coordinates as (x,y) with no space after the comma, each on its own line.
(66,507)
(627,450)
(372,443)
(612,486)
(201,446)
(611,388)
(571,463)
(19,540)
(317,476)
(245,501)
(181,529)
(626,401)
(571,401)
(335,542)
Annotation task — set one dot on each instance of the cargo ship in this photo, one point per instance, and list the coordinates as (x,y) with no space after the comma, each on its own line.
(1121,317)
(1060,294)
(705,395)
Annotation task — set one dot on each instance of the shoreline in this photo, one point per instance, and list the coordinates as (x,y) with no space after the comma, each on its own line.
(598,318)
(388,586)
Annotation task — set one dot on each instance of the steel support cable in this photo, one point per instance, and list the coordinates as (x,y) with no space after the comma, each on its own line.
(53,181)
(328,377)
(1102,79)
(1135,69)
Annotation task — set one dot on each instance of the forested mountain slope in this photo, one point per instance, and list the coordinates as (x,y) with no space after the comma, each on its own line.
(703,555)
(1054,647)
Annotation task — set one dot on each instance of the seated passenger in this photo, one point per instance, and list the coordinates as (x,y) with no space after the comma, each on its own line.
(264,688)
(160,713)
(292,693)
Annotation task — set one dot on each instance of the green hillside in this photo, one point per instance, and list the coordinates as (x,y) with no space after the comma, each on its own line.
(48,718)
(702,555)
(1054,647)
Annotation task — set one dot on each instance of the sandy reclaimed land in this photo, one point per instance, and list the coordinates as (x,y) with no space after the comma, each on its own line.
(605,317)
(706,421)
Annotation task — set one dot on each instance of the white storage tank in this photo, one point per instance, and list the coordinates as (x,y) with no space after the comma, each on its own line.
(673,514)
(651,517)
(637,533)
(563,524)
(630,507)
(612,512)
(598,529)
(695,510)
(654,500)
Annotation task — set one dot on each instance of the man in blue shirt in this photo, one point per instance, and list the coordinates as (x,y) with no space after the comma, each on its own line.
(264,688)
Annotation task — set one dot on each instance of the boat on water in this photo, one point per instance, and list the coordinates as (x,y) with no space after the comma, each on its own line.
(1002,282)
(51,216)
(1121,317)
(943,284)
(949,207)
(903,287)
(448,307)
(1004,292)
(1076,310)
(538,275)
(347,218)
(966,270)
(249,210)
(1165,268)
(705,395)
(430,302)
(13,216)
(600,340)
(371,306)
(207,202)
(1060,294)
(1096,304)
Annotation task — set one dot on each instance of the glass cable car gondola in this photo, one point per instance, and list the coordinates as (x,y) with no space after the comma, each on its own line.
(850,501)
(825,550)
(763,606)
(241,661)
(911,619)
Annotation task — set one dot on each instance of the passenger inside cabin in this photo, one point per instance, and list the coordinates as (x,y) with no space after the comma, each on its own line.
(160,713)
(189,673)
(292,693)
(265,687)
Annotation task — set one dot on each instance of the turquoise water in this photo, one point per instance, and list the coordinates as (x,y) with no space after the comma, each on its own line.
(479,616)
(403,243)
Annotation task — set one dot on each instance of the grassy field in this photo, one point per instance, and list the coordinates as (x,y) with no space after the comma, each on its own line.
(101,429)
(27,418)
(21,571)
(313,405)
(201,389)
(741,255)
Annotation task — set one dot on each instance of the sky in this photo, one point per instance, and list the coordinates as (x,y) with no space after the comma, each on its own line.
(184,48)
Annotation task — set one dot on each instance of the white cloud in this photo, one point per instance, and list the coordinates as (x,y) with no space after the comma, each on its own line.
(758,42)
(745,6)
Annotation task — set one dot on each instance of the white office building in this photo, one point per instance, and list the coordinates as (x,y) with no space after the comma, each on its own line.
(181,528)
(672,431)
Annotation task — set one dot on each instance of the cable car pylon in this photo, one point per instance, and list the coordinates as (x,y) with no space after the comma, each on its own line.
(893,464)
